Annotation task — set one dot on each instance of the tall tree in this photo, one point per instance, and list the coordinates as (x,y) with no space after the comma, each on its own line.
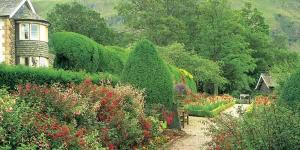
(74,17)
(162,21)
(220,38)
(257,34)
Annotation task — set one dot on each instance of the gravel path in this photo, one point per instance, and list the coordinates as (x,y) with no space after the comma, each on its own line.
(196,138)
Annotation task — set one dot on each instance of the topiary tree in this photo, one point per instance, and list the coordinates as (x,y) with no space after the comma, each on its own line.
(146,70)
(114,59)
(290,91)
(75,52)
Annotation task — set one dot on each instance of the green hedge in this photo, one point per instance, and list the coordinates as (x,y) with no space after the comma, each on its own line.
(146,70)
(114,59)
(210,110)
(11,76)
(75,52)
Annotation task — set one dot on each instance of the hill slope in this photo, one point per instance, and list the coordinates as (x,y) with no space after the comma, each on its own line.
(282,15)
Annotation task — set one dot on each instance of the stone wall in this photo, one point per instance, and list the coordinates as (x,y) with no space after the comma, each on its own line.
(2,40)
(9,42)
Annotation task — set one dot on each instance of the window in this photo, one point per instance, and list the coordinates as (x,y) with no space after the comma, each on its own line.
(29,32)
(34,32)
(26,61)
(24,32)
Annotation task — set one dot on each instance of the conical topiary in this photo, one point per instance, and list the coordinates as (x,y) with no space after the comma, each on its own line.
(146,70)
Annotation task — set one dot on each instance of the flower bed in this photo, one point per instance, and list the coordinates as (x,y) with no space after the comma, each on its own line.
(207,106)
(84,116)
(208,110)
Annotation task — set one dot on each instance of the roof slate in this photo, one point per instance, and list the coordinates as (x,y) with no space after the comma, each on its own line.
(7,7)
(24,13)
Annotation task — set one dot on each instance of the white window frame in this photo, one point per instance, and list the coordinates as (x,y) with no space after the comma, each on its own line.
(37,32)
(30,33)
(22,31)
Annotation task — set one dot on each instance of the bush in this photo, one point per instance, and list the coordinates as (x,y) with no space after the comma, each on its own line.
(83,116)
(114,60)
(146,70)
(180,77)
(11,76)
(266,127)
(75,52)
(290,93)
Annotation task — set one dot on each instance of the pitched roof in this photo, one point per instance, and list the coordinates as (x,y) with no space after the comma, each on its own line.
(19,10)
(10,7)
(7,7)
(267,79)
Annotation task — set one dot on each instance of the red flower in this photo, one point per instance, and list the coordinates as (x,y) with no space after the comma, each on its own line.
(147,134)
(20,88)
(111,146)
(110,94)
(27,87)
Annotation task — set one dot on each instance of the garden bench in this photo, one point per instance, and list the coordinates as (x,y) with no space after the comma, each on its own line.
(184,116)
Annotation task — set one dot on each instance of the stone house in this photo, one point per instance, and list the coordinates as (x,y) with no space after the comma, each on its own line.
(23,34)
(265,84)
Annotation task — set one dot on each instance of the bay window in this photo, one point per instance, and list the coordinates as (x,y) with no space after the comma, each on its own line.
(29,31)
(24,32)
(34,32)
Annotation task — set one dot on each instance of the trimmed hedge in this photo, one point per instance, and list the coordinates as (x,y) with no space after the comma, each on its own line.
(114,59)
(146,70)
(210,110)
(290,92)
(11,76)
(75,52)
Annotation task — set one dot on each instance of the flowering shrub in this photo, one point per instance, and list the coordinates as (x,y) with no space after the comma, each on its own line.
(83,116)
(263,100)
(272,127)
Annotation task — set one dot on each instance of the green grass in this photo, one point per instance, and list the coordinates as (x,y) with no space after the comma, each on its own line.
(208,110)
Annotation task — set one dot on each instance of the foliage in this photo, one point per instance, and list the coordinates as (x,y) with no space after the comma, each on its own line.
(162,22)
(285,63)
(74,17)
(76,52)
(202,69)
(207,106)
(11,76)
(263,128)
(80,116)
(114,59)
(181,76)
(220,38)
(290,92)
(146,70)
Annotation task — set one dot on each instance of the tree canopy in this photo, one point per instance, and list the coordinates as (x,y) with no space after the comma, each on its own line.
(74,17)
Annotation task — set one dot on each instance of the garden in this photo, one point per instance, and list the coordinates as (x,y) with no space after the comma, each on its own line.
(125,90)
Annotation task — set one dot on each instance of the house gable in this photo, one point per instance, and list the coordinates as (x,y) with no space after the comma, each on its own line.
(26,12)
(9,8)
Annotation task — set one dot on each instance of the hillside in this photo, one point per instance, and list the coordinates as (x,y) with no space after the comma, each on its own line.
(282,15)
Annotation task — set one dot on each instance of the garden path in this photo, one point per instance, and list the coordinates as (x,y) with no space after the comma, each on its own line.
(196,137)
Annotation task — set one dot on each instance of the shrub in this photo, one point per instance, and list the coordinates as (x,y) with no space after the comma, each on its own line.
(11,76)
(146,70)
(266,127)
(76,117)
(113,60)
(181,76)
(290,93)
(75,52)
